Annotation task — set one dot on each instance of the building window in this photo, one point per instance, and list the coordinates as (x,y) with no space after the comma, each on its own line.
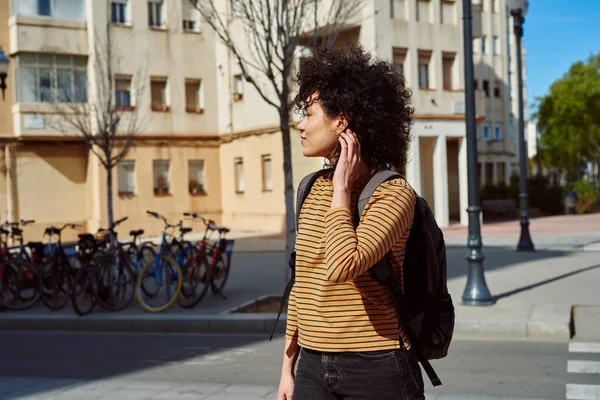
(496,45)
(155,14)
(486,87)
(126,176)
(158,93)
(497,90)
(65,9)
(51,78)
(476,84)
(399,55)
(238,87)
(484,44)
(448,69)
(447,12)
(123,93)
(424,58)
(398,9)
(497,132)
(486,132)
(119,12)
(191,17)
(423,10)
(160,169)
(196,178)
(267,178)
(194,102)
(236,8)
(477,131)
(239,174)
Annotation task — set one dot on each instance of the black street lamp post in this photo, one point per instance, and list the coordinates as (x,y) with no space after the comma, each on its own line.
(518,9)
(476,291)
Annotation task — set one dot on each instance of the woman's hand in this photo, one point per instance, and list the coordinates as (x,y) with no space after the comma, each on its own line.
(347,170)
(286,387)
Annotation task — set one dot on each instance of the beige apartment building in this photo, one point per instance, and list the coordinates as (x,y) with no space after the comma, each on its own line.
(207,141)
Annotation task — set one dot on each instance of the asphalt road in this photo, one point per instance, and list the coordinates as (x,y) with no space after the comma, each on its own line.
(483,368)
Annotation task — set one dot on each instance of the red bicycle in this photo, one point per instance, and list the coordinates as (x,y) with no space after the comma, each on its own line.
(209,266)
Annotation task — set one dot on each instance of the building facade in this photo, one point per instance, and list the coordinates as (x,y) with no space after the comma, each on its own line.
(207,142)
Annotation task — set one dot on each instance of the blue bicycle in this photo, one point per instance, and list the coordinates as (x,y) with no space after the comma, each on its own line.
(159,281)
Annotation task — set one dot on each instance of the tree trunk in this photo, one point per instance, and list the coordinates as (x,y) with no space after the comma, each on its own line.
(290,218)
(109,196)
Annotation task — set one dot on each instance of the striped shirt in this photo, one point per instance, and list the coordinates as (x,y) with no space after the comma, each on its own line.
(335,305)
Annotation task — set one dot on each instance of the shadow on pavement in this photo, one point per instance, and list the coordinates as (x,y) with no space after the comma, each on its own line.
(544,282)
(495,258)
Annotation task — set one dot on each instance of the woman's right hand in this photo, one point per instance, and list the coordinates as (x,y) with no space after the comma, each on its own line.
(286,387)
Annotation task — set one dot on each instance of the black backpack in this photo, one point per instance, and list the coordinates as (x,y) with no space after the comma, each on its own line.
(426,307)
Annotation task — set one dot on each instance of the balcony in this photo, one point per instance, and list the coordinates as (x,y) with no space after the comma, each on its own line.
(445,103)
(44,34)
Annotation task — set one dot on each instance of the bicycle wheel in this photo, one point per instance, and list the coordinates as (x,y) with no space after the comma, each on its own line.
(161,277)
(220,273)
(196,278)
(115,281)
(54,284)
(18,285)
(83,298)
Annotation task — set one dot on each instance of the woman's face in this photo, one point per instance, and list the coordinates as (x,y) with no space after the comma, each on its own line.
(318,131)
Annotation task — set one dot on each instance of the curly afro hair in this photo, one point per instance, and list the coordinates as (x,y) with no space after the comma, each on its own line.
(370,93)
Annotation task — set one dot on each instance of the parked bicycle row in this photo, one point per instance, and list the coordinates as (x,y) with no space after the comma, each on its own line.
(99,269)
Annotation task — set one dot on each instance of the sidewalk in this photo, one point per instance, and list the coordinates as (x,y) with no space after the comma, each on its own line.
(535,292)
(122,389)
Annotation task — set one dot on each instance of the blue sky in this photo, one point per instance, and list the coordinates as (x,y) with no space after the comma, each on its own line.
(558,33)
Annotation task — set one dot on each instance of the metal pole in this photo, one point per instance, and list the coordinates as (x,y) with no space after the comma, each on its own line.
(476,292)
(525,242)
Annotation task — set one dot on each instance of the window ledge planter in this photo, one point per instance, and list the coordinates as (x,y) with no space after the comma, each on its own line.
(125,108)
(164,108)
(194,110)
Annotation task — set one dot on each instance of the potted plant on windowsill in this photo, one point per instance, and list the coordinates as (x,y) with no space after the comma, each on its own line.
(196,188)
(194,110)
(162,188)
(125,108)
(161,108)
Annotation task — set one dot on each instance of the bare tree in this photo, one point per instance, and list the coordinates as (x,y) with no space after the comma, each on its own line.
(105,124)
(273,30)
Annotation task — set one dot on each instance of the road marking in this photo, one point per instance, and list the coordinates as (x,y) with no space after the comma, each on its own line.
(580,347)
(583,392)
(583,367)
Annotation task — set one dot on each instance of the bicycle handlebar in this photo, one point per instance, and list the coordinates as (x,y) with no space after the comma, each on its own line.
(210,224)
(119,221)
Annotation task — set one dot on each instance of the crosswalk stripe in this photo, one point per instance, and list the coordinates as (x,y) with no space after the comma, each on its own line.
(583,392)
(581,347)
(583,367)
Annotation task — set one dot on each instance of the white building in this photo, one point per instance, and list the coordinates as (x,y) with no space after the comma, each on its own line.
(209,143)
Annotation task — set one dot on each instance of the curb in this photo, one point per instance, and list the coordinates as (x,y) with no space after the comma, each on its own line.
(529,322)
(216,323)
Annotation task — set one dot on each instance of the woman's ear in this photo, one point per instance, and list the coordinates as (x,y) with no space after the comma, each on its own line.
(340,124)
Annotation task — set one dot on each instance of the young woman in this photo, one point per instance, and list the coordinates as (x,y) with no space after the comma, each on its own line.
(341,322)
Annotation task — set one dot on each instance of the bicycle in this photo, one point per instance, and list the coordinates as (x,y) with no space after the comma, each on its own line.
(162,274)
(18,274)
(197,270)
(115,273)
(56,272)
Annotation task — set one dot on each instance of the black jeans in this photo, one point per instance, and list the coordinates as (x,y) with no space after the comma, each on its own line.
(371,375)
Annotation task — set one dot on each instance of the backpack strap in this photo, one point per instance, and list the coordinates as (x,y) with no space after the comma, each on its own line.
(301,194)
(384,274)
(303,191)
(377,179)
